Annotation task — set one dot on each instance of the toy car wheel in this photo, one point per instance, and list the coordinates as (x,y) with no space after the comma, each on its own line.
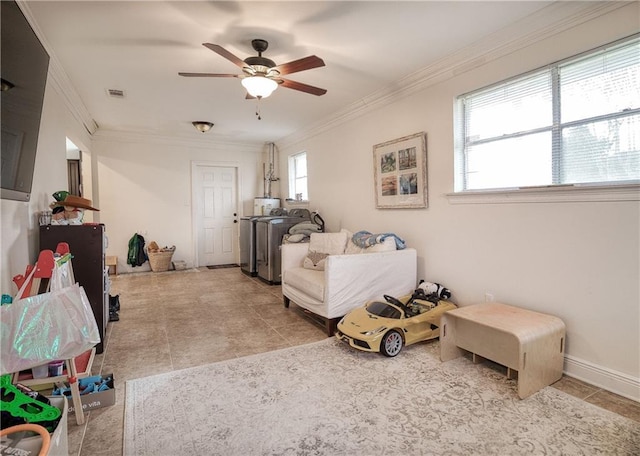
(391,343)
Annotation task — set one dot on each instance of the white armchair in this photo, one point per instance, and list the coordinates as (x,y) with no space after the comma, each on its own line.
(348,279)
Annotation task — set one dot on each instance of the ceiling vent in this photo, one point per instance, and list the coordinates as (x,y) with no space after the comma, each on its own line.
(115,93)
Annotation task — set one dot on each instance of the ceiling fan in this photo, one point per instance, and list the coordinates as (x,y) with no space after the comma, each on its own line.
(260,75)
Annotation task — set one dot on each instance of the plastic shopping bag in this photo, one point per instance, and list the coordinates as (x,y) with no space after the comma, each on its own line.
(46,327)
(62,275)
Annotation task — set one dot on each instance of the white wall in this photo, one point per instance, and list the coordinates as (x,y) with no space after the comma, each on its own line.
(144,186)
(579,261)
(19,220)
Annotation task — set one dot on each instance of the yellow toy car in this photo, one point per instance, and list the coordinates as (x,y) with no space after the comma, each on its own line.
(386,327)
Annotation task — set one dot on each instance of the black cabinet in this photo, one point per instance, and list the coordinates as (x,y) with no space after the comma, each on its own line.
(87,245)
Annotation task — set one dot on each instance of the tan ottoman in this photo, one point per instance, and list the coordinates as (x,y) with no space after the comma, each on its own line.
(529,342)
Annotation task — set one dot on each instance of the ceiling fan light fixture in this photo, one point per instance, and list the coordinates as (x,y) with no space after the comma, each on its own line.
(202,126)
(259,86)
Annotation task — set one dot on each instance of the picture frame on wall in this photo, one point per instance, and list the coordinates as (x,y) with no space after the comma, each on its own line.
(400,172)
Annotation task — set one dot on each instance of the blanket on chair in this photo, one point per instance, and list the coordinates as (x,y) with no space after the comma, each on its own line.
(366,239)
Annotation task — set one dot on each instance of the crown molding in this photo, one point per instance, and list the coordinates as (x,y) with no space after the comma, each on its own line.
(533,28)
(59,79)
(62,85)
(523,33)
(145,137)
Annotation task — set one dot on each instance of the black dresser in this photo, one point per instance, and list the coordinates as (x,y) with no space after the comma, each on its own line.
(87,244)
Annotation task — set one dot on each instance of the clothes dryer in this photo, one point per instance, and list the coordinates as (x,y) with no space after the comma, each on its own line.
(269,233)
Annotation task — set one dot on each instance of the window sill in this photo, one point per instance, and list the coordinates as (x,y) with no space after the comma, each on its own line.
(551,194)
(295,202)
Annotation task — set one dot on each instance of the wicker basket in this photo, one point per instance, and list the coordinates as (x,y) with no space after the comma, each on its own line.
(160,261)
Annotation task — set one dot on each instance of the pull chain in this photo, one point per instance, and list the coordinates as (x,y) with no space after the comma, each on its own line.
(258,109)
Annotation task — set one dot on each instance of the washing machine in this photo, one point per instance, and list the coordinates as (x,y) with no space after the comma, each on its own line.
(248,245)
(269,232)
(248,235)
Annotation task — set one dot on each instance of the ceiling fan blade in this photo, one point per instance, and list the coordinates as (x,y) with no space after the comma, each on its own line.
(289,84)
(208,75)
(305,63)
(226,54)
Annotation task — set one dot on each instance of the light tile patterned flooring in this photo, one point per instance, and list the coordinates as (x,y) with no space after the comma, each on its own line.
(178,319)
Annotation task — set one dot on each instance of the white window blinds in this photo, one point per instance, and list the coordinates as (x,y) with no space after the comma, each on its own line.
(574,122)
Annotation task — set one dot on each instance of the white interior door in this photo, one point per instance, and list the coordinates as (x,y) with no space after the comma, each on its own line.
(216,215)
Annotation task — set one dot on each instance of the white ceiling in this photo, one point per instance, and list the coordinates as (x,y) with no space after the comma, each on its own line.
(139,47)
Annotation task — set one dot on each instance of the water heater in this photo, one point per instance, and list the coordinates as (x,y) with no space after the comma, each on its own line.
(263,206)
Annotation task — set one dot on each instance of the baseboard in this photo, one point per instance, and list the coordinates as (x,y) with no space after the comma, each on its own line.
(607,379)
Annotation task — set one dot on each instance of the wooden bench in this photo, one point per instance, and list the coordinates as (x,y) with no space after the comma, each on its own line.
(529,342)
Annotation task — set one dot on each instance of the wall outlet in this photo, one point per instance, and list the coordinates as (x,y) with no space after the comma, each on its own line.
(488,297)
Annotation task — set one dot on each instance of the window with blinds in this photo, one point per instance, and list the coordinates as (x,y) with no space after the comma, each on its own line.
(574,122)
(298,176)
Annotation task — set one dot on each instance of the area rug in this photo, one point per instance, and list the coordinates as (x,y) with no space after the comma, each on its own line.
(328,399)
(223,266)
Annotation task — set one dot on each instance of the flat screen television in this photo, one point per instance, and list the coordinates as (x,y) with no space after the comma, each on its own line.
(23,67)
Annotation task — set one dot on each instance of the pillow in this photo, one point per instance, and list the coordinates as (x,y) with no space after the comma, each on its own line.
(305,228)
(294,238)
(347,232)
(351,248)
(329,243)
(322,245)
(315,260)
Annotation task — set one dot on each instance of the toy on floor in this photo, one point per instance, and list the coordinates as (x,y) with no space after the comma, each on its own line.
(436,289)
(386,326)
(19,407)
(87,385)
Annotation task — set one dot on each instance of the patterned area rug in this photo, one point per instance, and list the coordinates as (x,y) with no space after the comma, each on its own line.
(328,399)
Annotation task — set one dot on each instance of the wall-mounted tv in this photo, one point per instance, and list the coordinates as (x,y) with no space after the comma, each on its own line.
(23,67)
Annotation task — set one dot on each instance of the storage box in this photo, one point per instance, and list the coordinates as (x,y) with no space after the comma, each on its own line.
(97,399)
(31,445)
(41,371)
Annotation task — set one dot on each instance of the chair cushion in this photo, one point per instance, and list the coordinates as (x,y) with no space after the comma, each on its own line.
(307,280)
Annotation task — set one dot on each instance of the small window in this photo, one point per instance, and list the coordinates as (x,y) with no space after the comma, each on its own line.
(574,122)
(298,177)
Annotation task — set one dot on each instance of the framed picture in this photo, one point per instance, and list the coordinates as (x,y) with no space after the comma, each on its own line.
(400,172)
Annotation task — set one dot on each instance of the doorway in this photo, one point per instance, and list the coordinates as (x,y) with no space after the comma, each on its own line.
(80,176)
(215,214)
(74,168)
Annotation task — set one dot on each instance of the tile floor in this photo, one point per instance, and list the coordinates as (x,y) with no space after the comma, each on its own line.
(179,319)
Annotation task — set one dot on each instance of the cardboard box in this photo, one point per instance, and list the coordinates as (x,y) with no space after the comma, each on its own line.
(98,399)
(29,446)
